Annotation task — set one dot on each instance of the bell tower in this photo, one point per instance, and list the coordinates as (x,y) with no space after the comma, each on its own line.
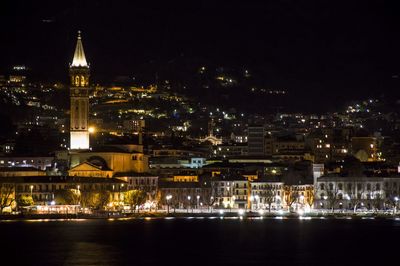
(79,73)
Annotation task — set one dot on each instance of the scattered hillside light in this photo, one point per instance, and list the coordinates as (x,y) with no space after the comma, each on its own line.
(53,203)
(92,130)
(325,197)
(372,146)
(221,212)
(396,199)
(241,211)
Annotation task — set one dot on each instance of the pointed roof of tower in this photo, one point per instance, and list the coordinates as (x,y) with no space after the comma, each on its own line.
(79,55)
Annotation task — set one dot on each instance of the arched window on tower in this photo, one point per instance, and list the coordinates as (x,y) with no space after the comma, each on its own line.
(82,81)
(76,81)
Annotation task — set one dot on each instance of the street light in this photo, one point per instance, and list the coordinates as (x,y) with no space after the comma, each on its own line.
(79,194)
(188,197)
(168,197)
(198,198)
(211,203)
(251,202)
(257,200)
(120,195)
(31,191)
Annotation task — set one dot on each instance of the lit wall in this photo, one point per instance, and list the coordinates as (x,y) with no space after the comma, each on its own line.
(79,140)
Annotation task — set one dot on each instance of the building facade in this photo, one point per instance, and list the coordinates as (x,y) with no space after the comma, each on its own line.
(79,94)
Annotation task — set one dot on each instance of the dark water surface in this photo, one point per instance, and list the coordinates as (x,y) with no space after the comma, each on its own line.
(201,242)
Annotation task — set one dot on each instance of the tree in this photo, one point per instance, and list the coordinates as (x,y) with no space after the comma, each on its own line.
(377,201)
(7,196)
(310,198)
(67,196)
(210,196)
(291,195)
(103,199)
(89,199)
(269,198)
(354,197)
(135,198)
(23,200)
(332,197)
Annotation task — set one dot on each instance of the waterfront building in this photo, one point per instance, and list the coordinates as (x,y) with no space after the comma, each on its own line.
(369,192)
(141,181)
(43,189)
(185,195)
(267,194)
(231,191)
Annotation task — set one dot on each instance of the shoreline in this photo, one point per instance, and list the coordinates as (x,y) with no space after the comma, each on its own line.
(232,215)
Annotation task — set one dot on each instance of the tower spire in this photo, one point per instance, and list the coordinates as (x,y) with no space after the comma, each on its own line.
(79,55)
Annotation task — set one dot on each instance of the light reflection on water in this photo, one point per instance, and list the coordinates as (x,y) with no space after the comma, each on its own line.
(87,253)
(214,241)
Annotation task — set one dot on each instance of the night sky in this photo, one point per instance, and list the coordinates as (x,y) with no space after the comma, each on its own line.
(313,46)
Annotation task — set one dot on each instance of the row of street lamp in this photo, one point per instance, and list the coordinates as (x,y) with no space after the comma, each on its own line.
(169,197)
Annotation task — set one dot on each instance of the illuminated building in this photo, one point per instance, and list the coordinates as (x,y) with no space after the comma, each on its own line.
(231,192)
(108,161)
(21,171)
(187,195)
(43,189)
(357,192)
(79,73)
(143,182)
(38,162)
(185,178)
(267,193)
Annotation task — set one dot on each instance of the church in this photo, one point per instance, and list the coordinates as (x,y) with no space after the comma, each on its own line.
(83,159)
